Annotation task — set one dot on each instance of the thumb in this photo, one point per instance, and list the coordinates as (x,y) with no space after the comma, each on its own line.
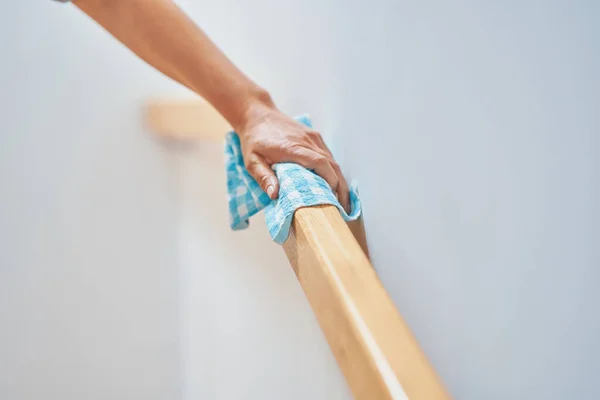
(263,174)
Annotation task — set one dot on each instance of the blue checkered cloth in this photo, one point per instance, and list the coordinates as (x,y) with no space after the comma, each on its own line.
(298,187)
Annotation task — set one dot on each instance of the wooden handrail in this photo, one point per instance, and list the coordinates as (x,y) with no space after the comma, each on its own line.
(374,347)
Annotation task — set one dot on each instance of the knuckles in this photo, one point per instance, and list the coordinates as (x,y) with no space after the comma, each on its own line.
(313,135)
(263,180)
(250,164)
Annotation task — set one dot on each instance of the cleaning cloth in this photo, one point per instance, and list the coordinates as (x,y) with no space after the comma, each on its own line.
(298,187)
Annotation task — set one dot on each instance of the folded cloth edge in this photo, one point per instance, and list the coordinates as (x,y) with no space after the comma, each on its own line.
(280,232)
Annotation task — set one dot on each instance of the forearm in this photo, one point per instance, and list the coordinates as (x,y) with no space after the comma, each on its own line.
(162,35)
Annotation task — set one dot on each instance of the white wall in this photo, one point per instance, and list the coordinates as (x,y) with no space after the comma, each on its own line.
(473,130)
(89,305)
(469,125)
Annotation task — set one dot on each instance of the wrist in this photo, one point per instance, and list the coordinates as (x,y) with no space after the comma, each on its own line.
(254,108)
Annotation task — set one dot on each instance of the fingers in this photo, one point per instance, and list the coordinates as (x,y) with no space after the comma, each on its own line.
(343,192)
(326,168)
(318,140)
(318,162)
(292,144)
(263,174)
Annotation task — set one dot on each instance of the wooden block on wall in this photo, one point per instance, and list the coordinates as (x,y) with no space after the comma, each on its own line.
(185,119)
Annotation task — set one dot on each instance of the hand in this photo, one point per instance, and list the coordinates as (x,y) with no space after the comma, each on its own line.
(270,137)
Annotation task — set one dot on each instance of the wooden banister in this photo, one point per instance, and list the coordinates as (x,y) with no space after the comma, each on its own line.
(373,346)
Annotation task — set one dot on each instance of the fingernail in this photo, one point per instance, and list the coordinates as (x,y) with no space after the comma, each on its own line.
(270,190)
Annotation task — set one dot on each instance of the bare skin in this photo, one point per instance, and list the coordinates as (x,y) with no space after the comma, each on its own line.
(161,34)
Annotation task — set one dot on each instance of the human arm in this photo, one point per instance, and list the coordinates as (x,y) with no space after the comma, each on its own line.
(161,34)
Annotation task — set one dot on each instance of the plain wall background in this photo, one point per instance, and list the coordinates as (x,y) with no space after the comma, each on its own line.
(470,126)
(89,304)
